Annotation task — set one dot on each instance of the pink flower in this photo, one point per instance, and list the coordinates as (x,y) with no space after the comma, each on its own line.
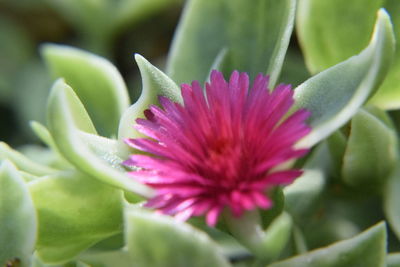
(221,149)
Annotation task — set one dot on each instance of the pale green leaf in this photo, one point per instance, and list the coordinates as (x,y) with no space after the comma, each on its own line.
(18,223)
(160,241)
(96,82)
(367,249)
(392,199)
(75,139)
(331,31)
(256,35)
(74,211)
(334,95)
(370,152)
(22,162)
(154,83)
(393,260)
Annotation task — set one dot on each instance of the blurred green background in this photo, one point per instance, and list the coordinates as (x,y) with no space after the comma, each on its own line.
(115,29)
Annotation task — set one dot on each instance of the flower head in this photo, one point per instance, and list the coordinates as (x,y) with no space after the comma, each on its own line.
(220,149)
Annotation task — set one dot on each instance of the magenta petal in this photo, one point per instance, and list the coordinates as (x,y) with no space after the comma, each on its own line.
(220,149)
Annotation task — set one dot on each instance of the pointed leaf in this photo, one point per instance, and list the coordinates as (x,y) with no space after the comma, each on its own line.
(96,82)
(367,249)
(391,199)
(22,162)
(75,211)
(17,218)
(334,95)
(66,124)
(154,84)
(256,34)
(160,241)
(370,153)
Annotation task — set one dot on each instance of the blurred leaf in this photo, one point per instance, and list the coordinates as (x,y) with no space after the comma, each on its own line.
(393,260)
(75,212)
(16,50)
(371,152)
(74,136)
(265,244)
(154,84)
(111,258)
(308,188)
(160,241)
(17,218)
(22,162)
(95,80)
(367,249)
(130,11)
(29,97)
(334,95)
(391,202)
(333,30)
(256,35)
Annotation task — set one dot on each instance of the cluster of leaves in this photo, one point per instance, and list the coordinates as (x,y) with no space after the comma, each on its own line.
(77,207)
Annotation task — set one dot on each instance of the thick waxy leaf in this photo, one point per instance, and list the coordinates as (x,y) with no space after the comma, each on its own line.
(17,218)
(265,244)
(392,200)
(256,35)
(393,260)
(346,26)
(334,95)
(308,188)
(22,162)
(74,212)
(370,153)
(96,82)
(367,249)
(74,136)
(154,83)
(113,258)
(160,241)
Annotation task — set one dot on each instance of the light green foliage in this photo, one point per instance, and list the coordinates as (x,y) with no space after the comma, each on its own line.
(334,95)
(96,81)
(74,135)
(371,152)
(367,249)
(392,200)
(17,218)
(331,31)
(74,212)
(393,260)
(154,84)
(255,35)
(160,241)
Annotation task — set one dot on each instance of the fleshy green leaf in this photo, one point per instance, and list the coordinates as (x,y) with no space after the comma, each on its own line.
(393,260)
(113,258)
(74,212)
(256,35)
(265,244)
(74,136)
(160,241)
(96,82)
(392,200)
(154,84)
(370,153)
(334,95)
(308,188)
(346,25)
(17,218)
(22,162)
(367,249)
